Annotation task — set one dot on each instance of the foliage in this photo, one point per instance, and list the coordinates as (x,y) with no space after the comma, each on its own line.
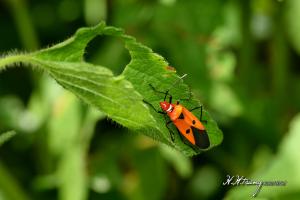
(115,96)
(242,61)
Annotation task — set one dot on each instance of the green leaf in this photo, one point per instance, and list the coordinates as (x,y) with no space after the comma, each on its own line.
(119,97)
(4,137)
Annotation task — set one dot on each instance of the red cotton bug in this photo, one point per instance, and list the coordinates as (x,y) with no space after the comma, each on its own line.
(187,124)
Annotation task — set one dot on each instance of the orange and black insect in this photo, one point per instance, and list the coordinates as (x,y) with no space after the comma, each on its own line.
(188,125)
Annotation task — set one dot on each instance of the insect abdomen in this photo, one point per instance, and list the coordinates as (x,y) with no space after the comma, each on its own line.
(201,138)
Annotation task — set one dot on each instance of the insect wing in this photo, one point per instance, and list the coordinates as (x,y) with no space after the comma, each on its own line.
(191,119)
(185,130)
(192,129)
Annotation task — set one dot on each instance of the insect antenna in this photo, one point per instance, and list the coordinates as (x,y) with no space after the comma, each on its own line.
(176,82)
(166,93)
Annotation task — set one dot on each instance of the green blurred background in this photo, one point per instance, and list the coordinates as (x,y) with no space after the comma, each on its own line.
(242,60)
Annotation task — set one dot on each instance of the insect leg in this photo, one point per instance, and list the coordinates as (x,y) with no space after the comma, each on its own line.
(196,108)
(158,111)
(201,108)
(155,90)
(170,99)
(165,93)
(170,131)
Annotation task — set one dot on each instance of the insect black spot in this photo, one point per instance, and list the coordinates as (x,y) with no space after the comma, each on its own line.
(181,116)
(188,131)
(194,122)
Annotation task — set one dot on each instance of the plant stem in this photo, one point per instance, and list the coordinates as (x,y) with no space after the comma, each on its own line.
(13,59)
